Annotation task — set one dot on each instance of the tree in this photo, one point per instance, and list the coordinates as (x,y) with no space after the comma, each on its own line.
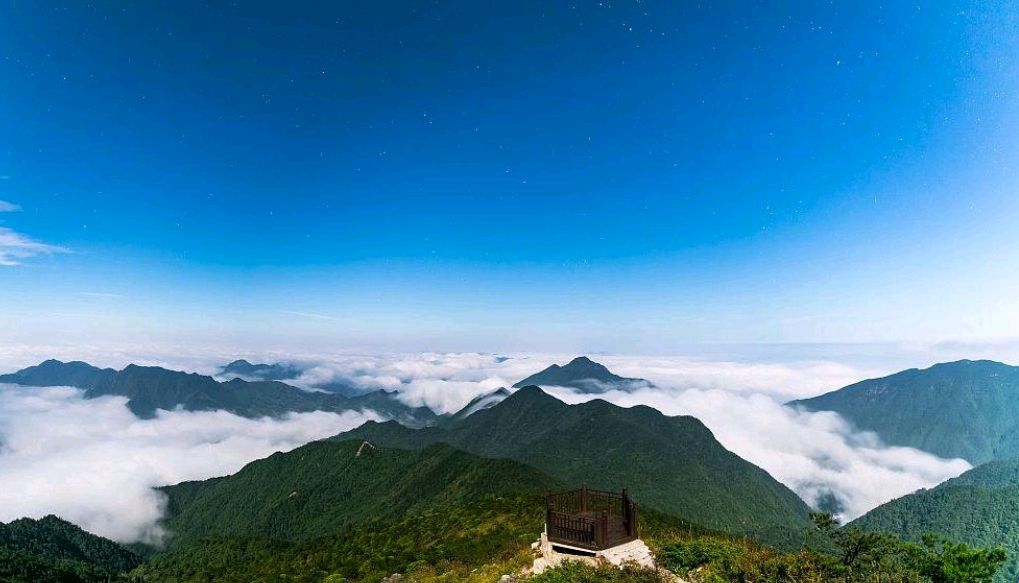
(944,561)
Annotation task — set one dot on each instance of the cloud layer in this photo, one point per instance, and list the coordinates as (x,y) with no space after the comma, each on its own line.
(94,463)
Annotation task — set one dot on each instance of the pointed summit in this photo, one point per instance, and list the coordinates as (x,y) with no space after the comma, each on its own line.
(584,374)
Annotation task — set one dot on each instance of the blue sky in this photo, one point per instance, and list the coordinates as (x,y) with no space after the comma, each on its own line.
(622,176)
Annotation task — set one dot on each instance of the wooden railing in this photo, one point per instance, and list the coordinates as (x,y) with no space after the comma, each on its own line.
(573,529)
(591,519)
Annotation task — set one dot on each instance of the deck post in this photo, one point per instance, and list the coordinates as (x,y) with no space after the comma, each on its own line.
(548,514)
(632,527)
(583,499)
(603,528)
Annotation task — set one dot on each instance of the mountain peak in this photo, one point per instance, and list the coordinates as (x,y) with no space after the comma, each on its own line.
(52,372)
(673,464)
(584,374)
(530,394)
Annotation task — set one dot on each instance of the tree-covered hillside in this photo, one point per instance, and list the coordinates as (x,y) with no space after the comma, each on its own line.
(967,409)
(980,507)
(673,464)
(324,488)
(51,549)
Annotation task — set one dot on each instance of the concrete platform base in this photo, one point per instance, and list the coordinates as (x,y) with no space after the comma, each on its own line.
(550,555)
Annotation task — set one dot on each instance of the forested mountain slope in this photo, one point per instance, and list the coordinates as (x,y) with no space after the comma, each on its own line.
(980,507)
(326,487)
(967,409)
(673,464)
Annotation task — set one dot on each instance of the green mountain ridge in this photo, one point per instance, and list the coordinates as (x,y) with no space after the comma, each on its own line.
(979,507)
(151,388)
(966,409)
(52,549)
(329,486)
(672,464)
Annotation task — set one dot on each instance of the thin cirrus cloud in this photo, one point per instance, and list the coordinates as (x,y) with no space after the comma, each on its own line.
(312,315)
(15,247)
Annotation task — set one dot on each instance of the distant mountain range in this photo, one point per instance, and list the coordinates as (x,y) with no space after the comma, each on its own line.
(980,507)
(51,549)
(264,372)
(583,374)
(673,464)
(150,388)
(967,409)
(285,371)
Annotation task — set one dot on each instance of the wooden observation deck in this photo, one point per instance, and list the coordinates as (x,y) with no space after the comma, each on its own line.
(590,519)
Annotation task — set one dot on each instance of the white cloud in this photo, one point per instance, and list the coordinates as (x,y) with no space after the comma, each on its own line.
(443,382)
(8,207)
(15,247)
(94,463)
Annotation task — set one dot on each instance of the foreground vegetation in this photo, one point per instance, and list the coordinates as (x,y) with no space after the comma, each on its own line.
(479,542)
(852,556)
(980,507)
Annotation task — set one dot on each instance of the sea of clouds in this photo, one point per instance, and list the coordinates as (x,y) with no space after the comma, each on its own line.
(94,463)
